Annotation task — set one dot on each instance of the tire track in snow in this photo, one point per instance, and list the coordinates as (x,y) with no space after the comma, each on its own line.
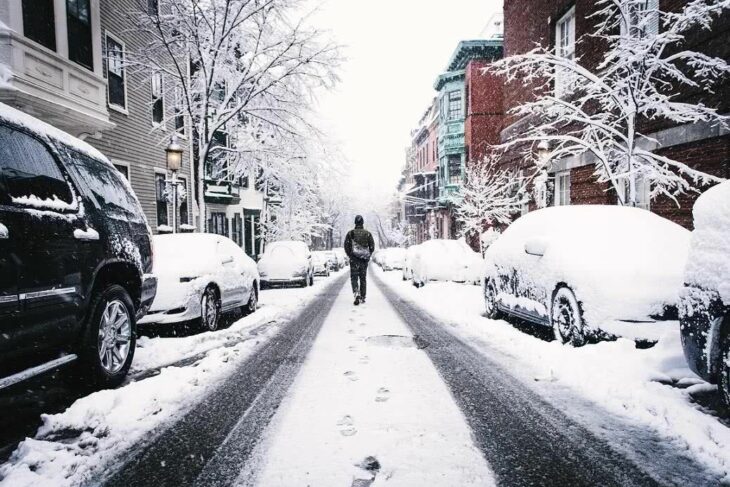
(209,444)
(526,440)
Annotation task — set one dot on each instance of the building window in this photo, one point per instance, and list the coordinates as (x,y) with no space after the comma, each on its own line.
(179,110)
(116,73)
(643,21)
(562,188)
(455,105)
(218,224)
(183,201)
(161,199)
(39,22)
(158,104)
(124,170)
(78,16)
(153,7)
(454,162)
(565,44)
(643,193)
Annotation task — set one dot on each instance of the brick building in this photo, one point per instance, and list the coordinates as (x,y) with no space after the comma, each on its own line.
(701,146)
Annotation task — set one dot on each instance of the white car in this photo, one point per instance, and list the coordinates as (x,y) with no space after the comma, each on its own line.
(444,260)
(588,272)
(321,265)
(342,259)
(199,277)
(286,263)
(392,258)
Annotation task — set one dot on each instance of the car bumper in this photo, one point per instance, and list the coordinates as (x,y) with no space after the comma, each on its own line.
(292,281)
(186,312)
(147,295)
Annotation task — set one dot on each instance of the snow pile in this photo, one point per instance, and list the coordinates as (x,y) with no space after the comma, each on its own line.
(284,260)
(621,263)
(708,264)
(55,203)
(76,446)
(446,260)
(613,376)
(391,258)
(41,128)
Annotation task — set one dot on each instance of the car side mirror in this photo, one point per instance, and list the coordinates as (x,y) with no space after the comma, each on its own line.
(536,246)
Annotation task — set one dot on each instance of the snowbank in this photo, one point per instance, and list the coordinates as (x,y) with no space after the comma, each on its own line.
(445,260)
(616,376)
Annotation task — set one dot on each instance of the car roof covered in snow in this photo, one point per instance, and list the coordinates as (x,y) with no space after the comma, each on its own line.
(41,128)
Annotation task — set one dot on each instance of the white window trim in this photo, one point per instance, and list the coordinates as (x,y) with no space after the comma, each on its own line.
(123,110)
(557,192)
(162,96)
(643,190)
(117,162)
(164,172)
(652,28)
(570,14)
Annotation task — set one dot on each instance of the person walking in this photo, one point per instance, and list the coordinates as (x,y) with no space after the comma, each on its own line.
(359,247)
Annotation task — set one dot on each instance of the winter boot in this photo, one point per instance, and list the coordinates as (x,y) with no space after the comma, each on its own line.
(357,299)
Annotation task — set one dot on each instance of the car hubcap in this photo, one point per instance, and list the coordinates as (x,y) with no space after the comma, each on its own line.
(489,295)
(564,316)
(210,311)
(115,335)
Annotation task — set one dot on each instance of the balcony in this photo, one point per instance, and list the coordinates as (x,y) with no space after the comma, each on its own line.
(48,86)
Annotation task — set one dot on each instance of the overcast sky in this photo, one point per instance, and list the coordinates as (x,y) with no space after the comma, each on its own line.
(394,49)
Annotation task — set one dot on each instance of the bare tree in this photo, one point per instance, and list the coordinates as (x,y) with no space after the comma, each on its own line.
(600,111)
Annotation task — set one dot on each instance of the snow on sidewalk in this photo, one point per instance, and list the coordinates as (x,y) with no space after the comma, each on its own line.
(75,446)
(617,376)
(364,391)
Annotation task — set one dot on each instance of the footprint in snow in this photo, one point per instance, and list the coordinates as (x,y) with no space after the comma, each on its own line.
(383,395)
(351,375)
(364,359)
(363,324)
(346,425)
(352,348)
(351,331)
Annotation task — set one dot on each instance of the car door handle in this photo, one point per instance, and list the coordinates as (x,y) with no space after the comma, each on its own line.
(88,235)
(4,232)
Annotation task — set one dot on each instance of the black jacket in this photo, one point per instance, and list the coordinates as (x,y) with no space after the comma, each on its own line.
(363,238)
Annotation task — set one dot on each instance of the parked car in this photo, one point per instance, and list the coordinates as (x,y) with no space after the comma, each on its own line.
(704,311)
(392,259)
(286,263)
(320,264)
(588,271)
(332,262)
(341,257)
(75,255)
(408,262)
(444,260)
(201,276)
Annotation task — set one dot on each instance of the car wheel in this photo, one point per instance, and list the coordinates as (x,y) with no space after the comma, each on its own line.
(253,302)
(724,382)
(109,342)
(210,310)
(566,318)
(490,300)
(311,280)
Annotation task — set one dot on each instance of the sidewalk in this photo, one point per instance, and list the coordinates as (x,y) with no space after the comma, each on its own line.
(367,392)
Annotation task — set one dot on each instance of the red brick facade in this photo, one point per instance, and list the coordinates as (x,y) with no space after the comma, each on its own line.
(484,110)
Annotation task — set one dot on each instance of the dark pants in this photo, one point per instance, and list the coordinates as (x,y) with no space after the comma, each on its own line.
(359,276)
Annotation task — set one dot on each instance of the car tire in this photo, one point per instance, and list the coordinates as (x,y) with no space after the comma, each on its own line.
(724,369)
(566,318)
(490,300)
(210,309)
(311,280)
(253,302)
(109,341)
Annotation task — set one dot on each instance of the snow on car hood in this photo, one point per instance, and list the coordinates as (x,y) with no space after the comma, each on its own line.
(445,260)
(622,263)
(708,265)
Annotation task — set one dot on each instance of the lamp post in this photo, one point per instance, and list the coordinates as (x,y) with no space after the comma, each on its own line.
(174,152)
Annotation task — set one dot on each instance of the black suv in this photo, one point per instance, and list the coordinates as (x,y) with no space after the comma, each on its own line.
(704,311)
(75,256)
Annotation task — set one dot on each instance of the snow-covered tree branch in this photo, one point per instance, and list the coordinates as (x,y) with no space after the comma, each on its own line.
(600,111)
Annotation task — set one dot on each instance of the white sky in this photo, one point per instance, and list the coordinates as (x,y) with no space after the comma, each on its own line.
(395,49)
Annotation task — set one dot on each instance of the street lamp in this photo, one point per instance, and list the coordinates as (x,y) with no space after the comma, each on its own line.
(543,151)
(174,152)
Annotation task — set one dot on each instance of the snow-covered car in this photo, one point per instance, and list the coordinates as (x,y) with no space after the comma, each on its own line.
(320,264)
(341,257)
(75,256)
(588,272)
(392,258)
(408,262)
(332,260)
(444,260)
(704,311)
(286,263)
(201,276)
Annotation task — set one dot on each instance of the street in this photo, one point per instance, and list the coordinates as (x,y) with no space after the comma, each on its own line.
(388,395)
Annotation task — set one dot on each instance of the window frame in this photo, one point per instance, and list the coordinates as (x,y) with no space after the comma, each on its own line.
(118,108)
(157,173)
(126,165)
(184,181)
(71,42)
(562,189)
(161,98)
(561,49)
(450,111)
(652,28)
(54,33)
